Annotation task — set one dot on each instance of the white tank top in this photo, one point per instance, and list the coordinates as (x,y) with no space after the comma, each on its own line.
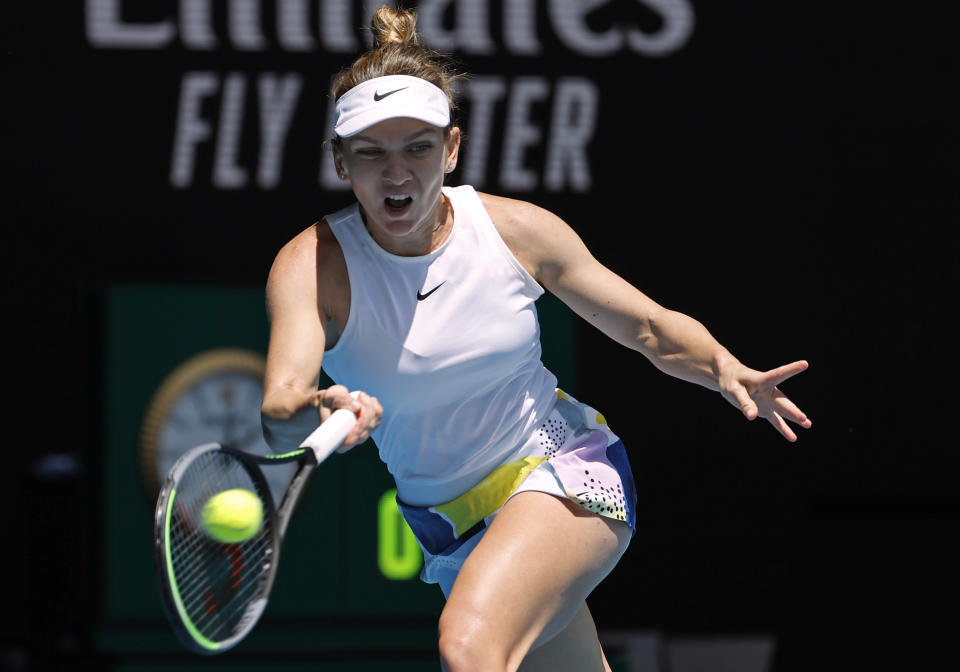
(450,344)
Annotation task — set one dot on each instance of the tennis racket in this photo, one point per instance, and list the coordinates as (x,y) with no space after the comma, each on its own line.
(214,593)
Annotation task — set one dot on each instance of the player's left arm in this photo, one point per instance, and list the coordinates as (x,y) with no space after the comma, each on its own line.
(674,342)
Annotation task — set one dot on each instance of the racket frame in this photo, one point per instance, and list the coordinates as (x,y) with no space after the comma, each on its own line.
(314,450)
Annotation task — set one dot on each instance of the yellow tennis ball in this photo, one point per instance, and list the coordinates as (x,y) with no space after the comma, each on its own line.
(233,515)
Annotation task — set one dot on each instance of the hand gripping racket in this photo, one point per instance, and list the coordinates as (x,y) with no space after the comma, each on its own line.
(213,592)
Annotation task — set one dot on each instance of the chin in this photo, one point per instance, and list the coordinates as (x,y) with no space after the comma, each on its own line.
(398,228)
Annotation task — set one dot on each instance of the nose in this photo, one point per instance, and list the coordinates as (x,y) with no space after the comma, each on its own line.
(395,170)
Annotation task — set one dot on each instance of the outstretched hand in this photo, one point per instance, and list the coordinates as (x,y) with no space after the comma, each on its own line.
(756,394)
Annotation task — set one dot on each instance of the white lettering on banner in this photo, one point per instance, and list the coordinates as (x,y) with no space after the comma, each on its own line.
(483,93)
(106,29)
(196,25)
(191,128)
(245,25)
(520,28)
(277,100)
(525,133)
(521,134)
(336,26)
(471,32)
(572,124)
(226,173)
(569,20)
(573,121)
(293,19)
(571,127)
(677,28)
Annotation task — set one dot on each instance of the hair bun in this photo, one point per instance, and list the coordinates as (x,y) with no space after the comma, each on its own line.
(394,26)
(397,50)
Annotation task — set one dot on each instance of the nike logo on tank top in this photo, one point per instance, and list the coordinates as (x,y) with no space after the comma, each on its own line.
(458,374)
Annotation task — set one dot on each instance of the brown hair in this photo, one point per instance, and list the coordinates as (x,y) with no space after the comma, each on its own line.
(397,51)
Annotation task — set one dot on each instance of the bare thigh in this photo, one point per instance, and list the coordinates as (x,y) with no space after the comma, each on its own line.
(527,580)
(575,648)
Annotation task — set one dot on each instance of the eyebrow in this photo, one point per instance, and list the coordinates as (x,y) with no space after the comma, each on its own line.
(413,136)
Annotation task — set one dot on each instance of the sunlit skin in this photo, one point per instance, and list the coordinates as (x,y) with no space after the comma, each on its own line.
(407,158)
(519,601)
(537,570)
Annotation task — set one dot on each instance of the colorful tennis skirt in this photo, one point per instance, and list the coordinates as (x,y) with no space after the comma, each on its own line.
(572,454)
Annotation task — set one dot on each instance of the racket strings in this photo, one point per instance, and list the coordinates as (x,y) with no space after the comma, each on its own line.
(216,581)
(211,604)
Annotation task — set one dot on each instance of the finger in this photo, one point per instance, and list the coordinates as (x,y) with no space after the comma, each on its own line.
(323,409)
(352,440)
(790,410)
(336,396)
(376,414)
(355,436)
(782,373)
(361,404)
(368,418)
(781,426)
(741,398)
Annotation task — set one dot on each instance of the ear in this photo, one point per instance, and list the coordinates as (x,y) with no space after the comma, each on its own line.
(338,163)
(452,149)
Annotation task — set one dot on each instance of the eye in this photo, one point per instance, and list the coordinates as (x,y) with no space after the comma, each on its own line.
(369,151)
(420,148)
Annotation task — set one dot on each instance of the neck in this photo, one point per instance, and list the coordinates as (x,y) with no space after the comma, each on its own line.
(422,242)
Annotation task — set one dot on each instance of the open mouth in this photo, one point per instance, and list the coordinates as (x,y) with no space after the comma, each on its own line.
(396,203)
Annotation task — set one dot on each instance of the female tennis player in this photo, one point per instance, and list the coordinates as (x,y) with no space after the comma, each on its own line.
(520,496)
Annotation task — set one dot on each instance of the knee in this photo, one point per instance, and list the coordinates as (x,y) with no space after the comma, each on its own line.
(457,655)
(466,647)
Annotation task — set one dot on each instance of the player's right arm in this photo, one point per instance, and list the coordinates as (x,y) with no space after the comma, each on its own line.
(301,289)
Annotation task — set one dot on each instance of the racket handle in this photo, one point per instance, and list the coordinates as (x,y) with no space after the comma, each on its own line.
(330,434)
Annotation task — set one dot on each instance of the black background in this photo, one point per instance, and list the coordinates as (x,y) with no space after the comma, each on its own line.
(788,178)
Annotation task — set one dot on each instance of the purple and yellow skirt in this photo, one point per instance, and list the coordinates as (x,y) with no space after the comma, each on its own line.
(573,454)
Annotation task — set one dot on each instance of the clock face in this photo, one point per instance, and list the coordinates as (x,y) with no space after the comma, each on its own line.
(213,397)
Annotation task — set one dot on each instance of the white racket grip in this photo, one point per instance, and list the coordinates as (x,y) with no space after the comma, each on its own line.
(330,434)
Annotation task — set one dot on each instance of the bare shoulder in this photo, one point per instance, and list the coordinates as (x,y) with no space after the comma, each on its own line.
(311,263)
(313,248)
(536,236)
(514,217)
(296,251)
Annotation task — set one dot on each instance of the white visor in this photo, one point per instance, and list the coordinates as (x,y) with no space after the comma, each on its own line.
(383,98)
